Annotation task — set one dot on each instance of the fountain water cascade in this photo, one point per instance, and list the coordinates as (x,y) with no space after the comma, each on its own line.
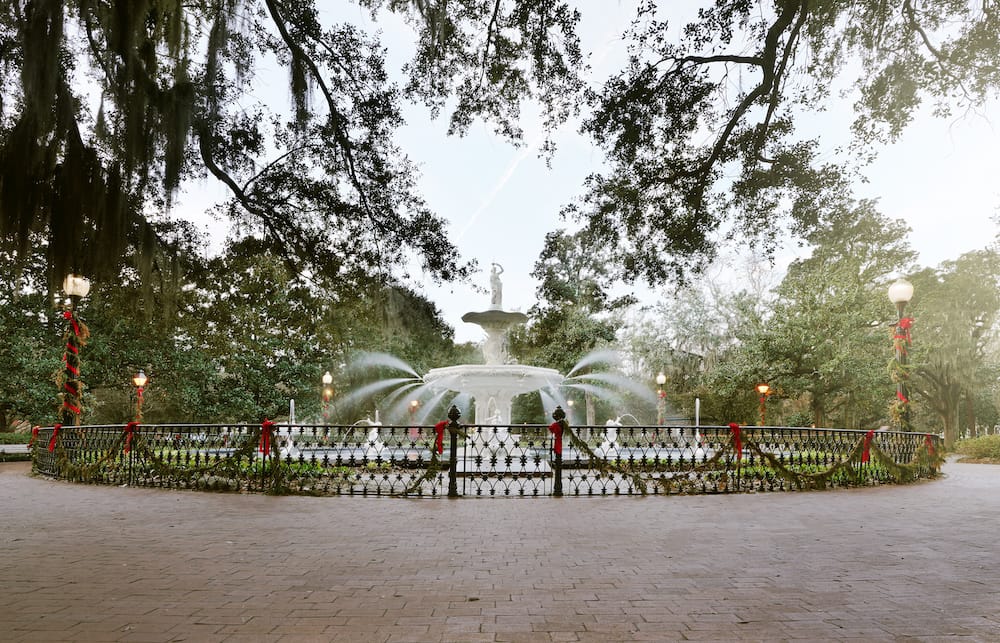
(494,384)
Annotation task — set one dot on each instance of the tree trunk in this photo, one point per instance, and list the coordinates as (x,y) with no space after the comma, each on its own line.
(819,412)
(950,420)
(970,416)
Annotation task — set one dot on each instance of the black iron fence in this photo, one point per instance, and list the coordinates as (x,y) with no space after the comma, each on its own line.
(452,459)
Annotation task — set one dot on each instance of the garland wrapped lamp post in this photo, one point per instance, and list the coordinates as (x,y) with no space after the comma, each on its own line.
(139,380)
(764,390)
(661,398)
(900,293)
(76,288)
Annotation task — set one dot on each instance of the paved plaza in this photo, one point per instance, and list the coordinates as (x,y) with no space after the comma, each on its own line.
(893,563)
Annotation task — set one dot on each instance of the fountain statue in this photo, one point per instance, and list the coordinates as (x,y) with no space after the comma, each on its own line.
(495,384)
(496,288)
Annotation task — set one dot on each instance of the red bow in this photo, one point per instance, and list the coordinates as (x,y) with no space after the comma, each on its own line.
(69,316)
(129,433)
(903,331)
(439,436)
(866,455)
(556,428)
(902,398)
(930,444)
(265,436)
(55,434)
(737,442)
(34,436)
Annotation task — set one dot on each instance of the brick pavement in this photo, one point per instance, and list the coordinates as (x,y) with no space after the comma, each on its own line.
(910,563)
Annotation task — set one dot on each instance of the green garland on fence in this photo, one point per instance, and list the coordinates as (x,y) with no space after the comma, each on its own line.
(433,467)
(604,467)
(923,460)
(227,471)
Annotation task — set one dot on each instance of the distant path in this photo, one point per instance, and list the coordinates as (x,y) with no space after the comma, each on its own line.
(90,563)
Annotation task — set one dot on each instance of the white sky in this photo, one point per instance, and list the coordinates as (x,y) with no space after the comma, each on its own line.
(942,177)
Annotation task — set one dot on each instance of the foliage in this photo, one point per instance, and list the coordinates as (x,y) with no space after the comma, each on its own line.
(955,308)
(575,313)
(745,73)
(108,107)
(826,337)
(30,349)
(985,447)
(692,336)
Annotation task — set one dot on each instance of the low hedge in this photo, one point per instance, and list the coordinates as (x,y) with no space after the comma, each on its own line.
(985,447)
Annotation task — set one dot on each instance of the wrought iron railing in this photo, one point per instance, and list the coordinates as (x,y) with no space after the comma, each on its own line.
(452,459)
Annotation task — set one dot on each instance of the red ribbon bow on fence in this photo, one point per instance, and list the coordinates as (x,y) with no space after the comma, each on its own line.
(55,434)
(866,454)
(929,441)
(737,441)
(129,434)
(265,436)
(34,436)
(556,428)
(439,436)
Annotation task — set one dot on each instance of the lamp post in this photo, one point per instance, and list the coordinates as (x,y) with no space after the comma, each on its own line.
(413,408)
(139,380)
(900,293)
(327,394)
(76,288)
(764,390)
(661,398)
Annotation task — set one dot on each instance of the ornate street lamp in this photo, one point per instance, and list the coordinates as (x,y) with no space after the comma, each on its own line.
(764,390)
(327,394)
(139,380)
(413,408)
(76,288)
(661,398)
(900,293)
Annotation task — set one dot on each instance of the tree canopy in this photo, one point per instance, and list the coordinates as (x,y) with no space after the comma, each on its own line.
(108,106)
(702,129)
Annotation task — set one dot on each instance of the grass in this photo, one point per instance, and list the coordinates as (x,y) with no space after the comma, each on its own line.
(984,449)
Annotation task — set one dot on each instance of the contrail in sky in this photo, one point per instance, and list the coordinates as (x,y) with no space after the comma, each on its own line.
(530,148)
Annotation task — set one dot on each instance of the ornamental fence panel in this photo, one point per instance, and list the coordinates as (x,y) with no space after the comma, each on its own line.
(451,459)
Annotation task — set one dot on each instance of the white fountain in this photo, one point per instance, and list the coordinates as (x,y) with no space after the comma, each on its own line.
(494,384)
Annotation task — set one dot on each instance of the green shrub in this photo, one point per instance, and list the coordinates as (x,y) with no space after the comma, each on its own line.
(14,438)
(986,447)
